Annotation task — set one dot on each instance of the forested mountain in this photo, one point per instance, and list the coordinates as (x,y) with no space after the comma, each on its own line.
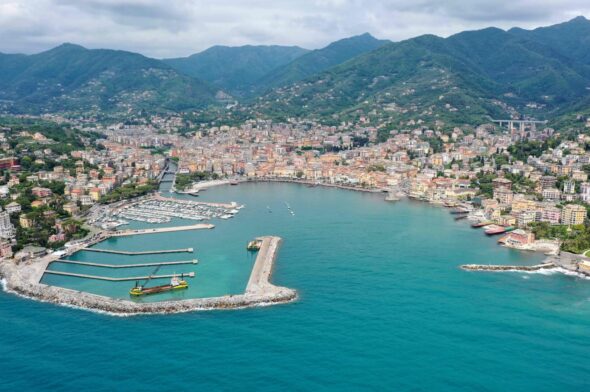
(465,77)
(235,69)
(72,78)
(319,60)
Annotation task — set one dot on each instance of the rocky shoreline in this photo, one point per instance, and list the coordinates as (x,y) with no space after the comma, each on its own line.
(23,280)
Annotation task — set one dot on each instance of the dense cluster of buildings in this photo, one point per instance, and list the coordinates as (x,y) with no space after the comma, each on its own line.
(425,164)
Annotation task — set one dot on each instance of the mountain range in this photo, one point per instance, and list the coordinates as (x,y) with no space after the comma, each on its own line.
(463,78)
(466,77)
(72,78)
(236,69)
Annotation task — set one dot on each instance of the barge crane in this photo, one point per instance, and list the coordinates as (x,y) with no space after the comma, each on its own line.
(175,284)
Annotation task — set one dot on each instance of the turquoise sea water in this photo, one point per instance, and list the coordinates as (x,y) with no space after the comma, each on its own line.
(383,306)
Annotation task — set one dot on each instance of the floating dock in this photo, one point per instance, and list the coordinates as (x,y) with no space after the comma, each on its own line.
(154,264)
(96,277)
(147,252)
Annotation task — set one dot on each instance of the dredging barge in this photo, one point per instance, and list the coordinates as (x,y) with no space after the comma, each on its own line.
(175,284)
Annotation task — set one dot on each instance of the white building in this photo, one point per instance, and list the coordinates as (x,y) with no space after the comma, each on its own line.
(585,192)
(6,228)
(13,207)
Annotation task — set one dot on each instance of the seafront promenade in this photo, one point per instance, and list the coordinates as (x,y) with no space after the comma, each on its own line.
(24,279)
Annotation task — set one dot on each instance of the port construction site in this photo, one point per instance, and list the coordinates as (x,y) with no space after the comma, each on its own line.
(25,279)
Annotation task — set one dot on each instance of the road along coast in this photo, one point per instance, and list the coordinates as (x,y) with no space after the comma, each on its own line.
(24,279)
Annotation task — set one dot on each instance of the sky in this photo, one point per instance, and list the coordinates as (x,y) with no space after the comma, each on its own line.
(175,28)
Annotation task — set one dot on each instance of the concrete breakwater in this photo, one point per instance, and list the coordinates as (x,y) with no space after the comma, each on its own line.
(136,265)
(122,233)
(485,267)
(23,279)
(108,278)
(147,252)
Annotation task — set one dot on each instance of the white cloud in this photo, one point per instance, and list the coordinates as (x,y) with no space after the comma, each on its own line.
(166,28)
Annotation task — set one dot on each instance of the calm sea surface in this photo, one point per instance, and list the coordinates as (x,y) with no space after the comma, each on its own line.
(383,306)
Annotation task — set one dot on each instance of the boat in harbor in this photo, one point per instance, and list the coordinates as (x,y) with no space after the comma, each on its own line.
(495,229)
(175,284)
(459,211)
(392,197)
(477,225)
(233,182)
(254,245)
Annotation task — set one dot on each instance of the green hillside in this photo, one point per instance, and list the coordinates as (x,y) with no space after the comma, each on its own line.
(235,69)
(467,77)
(72,78)
(319,60)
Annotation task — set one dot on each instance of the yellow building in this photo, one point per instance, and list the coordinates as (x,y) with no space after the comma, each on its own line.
(25,222)
(70,208)
(573,214)
(95,194)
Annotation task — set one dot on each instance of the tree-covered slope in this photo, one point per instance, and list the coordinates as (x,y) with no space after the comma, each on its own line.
(466,77)
(72,78)
(320,60)
(571,39)
(235,69)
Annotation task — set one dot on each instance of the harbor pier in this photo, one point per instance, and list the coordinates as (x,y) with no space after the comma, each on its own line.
(100,265)
(107,278)
(147,252)
(259,278)
(199,226)
(25,280)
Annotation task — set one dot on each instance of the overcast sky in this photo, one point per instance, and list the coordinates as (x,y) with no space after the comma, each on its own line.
(169,28)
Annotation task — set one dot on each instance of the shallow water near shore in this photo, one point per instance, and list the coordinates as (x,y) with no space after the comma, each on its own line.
(383,306)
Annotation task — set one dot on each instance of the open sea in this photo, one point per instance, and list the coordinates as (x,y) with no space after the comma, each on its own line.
(383,305)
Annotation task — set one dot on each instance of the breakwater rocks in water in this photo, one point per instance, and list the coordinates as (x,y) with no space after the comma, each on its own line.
(259,291)
(484,267)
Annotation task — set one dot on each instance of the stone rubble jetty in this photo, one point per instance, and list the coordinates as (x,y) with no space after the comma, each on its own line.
(24,279)
(488,267)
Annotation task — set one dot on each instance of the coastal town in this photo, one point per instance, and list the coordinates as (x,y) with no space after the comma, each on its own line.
(526,183)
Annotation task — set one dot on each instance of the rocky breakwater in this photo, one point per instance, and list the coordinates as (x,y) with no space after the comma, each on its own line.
(485,267)
(23,279)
